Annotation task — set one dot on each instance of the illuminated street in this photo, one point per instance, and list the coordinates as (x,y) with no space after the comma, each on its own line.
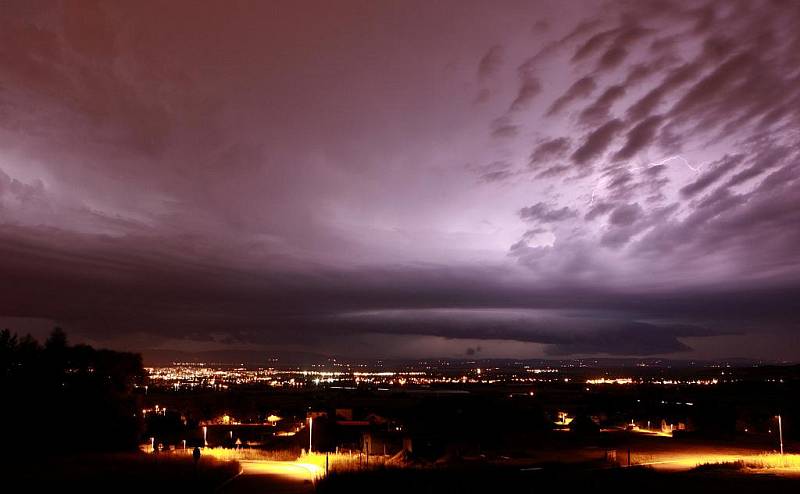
(274,477)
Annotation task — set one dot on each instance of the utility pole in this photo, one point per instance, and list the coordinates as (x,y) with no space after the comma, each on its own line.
(780,434)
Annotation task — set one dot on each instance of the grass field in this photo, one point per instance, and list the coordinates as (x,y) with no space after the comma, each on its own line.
(116,472)
(566,479)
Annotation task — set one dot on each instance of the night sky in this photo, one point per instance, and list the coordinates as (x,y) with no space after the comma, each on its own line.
(404,179)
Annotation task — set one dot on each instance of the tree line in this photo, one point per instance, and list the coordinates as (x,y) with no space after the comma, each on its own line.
(67,398)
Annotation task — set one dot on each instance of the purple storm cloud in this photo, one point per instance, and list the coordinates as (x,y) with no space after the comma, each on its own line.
(404,179)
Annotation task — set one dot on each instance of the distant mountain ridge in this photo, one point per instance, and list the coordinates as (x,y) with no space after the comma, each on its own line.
(153,357)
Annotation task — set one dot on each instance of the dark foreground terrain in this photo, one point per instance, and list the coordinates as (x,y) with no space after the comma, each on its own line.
(466,480)
(114,473)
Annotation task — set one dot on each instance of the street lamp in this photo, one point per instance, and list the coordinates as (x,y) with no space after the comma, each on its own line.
(310,431)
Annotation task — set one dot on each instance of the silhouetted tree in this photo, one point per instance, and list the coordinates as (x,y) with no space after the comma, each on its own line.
(68,397)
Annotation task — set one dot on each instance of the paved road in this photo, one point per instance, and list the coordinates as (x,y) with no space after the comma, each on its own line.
(273,477)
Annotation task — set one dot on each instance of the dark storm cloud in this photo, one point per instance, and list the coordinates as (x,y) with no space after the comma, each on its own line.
(470,351)
(619,49)
(191,301)
(580,89)
(636,338)
(714,173)
(490,62)
(650,101)
(294,175)
(496,171)
(715,84)
(12,189)
(595,43)
(598,111)
(502,127)
(612,57)
(554,171)
(483,96)
(545,213)
(598,209)
(550,150)
(597,141)
(530,86)
(705,96)
(761,163)
(622,184)
(585,26)
(623,223)
(728,222)
(625,215)
(640,136)
(564,334)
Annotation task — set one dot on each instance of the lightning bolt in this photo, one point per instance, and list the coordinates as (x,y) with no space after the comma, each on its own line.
(604,180)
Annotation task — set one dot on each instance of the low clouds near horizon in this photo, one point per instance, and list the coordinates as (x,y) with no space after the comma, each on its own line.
(547,179)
